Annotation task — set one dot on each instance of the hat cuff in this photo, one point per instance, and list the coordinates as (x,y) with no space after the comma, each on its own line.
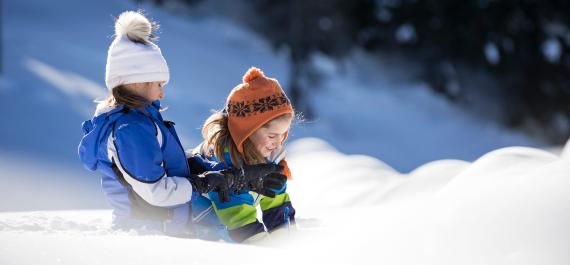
(137,78)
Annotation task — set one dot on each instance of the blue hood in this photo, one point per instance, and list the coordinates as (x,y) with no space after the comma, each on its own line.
(95,131)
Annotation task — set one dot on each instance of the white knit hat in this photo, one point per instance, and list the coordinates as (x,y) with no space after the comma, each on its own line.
(132,57)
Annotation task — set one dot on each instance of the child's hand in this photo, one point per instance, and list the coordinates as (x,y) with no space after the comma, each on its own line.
(269,184)
(212,181)
(242,178)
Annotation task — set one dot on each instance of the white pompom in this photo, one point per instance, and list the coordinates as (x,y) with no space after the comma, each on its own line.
(135,26)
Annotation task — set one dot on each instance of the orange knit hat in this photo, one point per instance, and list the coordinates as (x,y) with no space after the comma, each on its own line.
(253,103)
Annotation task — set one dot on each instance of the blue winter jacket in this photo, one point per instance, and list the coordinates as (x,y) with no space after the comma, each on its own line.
(145,171)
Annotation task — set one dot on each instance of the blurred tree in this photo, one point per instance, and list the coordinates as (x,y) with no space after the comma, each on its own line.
(305,27)
(524,44)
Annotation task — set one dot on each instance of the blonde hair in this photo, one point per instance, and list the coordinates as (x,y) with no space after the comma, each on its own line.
(217,137)
(123,95)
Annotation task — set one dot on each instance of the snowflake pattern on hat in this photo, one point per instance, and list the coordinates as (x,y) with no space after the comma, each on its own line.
(261,105)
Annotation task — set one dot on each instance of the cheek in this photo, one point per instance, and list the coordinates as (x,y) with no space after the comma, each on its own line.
(259,142)
(263,142)
(157,94)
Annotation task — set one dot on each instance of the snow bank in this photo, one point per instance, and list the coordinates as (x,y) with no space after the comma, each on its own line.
(83,237)
(29,183)
(511,206)
(566,151)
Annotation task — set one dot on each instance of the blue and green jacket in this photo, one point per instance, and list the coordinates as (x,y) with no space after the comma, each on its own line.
(240,213)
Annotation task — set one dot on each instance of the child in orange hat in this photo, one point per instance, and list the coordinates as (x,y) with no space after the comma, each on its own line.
(251,130)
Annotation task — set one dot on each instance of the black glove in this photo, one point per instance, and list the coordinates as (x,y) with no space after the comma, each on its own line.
(268,185)
(260,178)
(212,181)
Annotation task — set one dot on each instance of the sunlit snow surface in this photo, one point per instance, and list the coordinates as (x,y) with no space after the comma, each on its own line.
(511,206)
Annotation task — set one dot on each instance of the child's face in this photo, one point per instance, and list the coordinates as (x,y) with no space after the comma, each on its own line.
(154,91)
(270,136)
(150,90)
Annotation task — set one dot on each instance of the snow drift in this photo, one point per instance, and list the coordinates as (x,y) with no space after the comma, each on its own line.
(511,206)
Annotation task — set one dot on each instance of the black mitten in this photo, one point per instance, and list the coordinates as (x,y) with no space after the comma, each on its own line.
(241,177)
(212,181)
(268,185)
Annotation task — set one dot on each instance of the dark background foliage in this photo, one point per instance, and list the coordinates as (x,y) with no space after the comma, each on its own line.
(522,46)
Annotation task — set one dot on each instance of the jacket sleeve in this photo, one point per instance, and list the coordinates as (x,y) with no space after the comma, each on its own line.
(135,150)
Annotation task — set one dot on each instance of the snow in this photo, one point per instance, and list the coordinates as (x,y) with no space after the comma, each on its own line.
(511,206)
(387,172)
(81,237)
(365,111)
(566,151)
(31,183)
